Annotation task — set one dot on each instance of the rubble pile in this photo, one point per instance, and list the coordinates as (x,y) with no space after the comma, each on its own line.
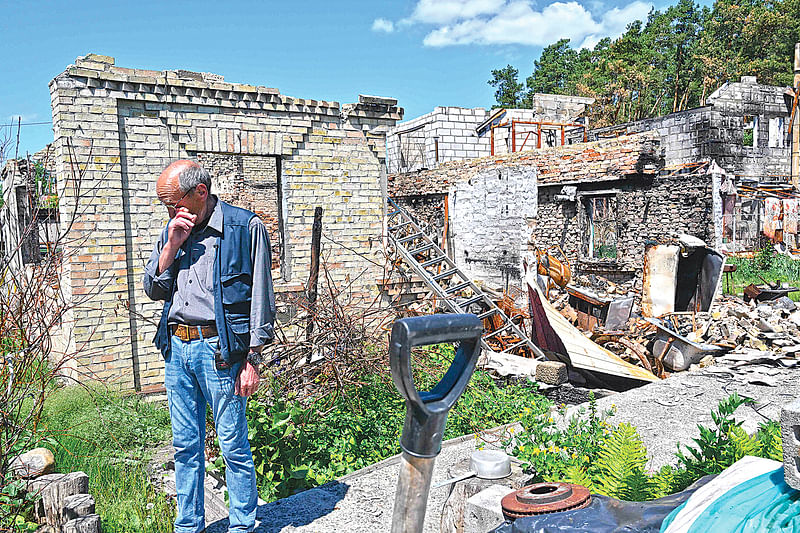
(773,325)
(605,288)
(744,330)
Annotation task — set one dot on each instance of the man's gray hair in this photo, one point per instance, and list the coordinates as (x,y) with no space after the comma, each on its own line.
(192,177)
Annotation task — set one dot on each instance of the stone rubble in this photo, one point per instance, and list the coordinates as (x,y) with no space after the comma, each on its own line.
(750,331)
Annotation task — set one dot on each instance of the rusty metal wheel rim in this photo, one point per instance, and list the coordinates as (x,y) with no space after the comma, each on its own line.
(543,498)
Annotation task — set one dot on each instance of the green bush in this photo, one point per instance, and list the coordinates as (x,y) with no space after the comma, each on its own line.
(766,264)
(719,447)
(615,459)
(297,447)
(548,451)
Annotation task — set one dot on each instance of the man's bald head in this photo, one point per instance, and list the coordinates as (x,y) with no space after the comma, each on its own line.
(170,182)
(184,184)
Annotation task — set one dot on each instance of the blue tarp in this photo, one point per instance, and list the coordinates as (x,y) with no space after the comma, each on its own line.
(763,503)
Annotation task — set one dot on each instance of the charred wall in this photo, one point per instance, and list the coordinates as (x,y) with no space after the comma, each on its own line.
(646,208)
(743,128)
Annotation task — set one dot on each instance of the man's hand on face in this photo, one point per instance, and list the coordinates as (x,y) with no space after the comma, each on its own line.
(247,380)
(180,227)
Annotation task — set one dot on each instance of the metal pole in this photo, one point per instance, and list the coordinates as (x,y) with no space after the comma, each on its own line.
(412,493)
(513,136)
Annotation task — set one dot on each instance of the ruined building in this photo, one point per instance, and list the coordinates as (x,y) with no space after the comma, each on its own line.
(456,133)
(602,200)
(599,201)
(29,218)
(115,130)
(743,127)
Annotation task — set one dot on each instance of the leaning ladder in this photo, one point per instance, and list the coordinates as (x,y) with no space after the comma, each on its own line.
(412,243)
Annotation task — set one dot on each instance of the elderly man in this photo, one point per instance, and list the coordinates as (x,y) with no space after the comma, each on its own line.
(211,267)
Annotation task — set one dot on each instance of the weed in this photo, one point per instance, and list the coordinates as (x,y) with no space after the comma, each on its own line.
(768,266)
(298,446)
(108,436)
(549,451)
(614,464)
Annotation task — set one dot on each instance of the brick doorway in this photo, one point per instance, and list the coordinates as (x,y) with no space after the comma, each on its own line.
(252,182)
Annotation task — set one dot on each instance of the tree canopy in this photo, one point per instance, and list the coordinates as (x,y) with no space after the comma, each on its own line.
(670,62)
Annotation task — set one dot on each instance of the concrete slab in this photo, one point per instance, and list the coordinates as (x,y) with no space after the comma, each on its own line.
(790,433)
(362,501)
(667,412)
(483,511)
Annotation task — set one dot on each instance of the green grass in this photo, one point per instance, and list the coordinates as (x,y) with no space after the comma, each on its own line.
(766,264)
(109,437)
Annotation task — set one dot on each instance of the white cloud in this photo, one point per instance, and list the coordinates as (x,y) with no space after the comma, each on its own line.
(446,11)
(616,20)
(383,25)
(500,22)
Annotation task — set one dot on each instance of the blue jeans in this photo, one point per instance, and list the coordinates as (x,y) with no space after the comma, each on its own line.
(192,380)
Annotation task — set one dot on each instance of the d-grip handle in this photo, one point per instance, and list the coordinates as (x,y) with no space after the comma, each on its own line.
(426,411)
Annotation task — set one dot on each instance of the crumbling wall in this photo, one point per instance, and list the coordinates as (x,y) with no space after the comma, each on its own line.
(489,217)
(649,208)
(252,182)
(125,125)
(719,131)
(428,211)
(499,204)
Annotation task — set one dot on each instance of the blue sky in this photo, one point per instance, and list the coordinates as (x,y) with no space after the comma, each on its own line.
(423,52)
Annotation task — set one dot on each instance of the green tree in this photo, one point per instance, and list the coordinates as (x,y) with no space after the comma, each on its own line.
(670,62)
(554,72)
(509,89)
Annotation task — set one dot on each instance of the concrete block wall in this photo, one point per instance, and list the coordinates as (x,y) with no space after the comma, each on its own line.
(451,133)
(455,129)
(715,131)
(122,126)
(790,435)
(412,145)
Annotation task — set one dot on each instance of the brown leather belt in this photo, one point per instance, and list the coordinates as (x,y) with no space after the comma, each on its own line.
(190,333)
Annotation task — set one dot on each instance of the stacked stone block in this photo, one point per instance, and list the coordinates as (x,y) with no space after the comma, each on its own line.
(119,127)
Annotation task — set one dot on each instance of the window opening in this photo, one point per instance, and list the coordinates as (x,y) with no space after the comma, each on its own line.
(601,216)
(750,131)
(776,135)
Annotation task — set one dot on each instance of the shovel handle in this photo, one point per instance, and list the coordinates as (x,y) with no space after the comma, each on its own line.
(426,411)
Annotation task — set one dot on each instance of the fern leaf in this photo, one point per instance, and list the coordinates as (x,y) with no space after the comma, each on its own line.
(637,486)
(622,460)
(663,482)
(770,444)
(577,475)
(743,444)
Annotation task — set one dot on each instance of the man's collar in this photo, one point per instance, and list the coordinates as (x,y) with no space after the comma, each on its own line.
(215,220)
